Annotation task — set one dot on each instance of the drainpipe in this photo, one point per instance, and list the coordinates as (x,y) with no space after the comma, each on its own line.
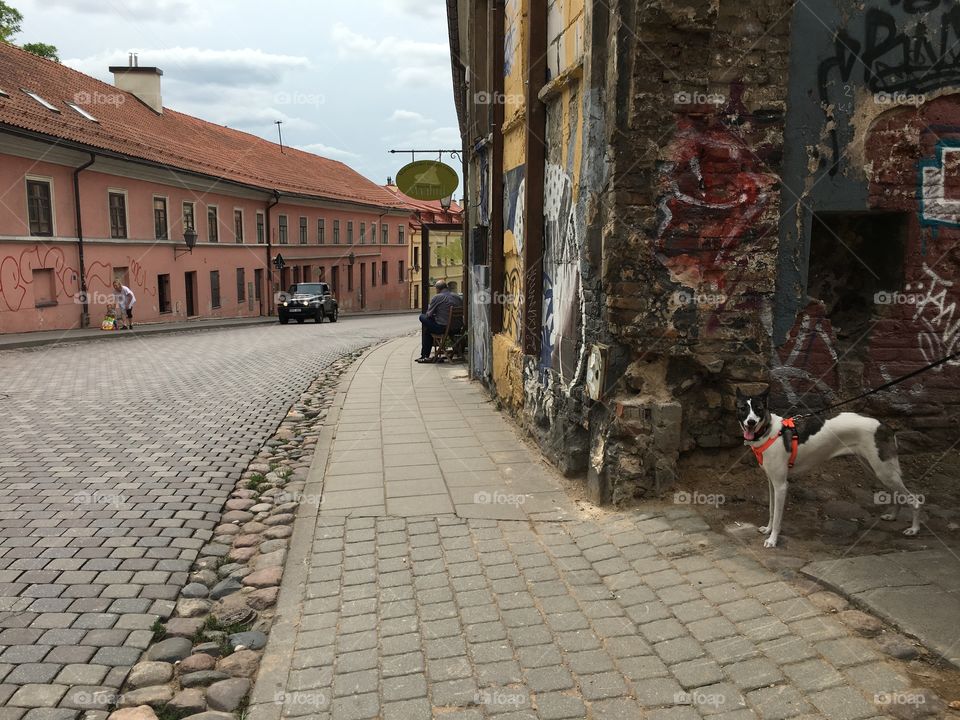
(85,312)
(269,289)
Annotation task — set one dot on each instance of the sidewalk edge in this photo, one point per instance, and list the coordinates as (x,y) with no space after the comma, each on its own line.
(277,658)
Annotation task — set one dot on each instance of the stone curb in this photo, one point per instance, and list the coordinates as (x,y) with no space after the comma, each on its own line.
(247,507)
(278,655)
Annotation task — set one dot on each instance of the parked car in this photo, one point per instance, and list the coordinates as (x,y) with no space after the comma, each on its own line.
(308,300)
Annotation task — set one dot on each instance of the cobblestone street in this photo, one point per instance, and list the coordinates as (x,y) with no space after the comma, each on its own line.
(116,459)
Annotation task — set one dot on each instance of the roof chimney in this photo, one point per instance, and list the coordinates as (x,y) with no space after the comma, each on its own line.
(143,82)
(389,180)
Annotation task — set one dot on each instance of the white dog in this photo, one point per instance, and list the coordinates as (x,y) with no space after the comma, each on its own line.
(803,449)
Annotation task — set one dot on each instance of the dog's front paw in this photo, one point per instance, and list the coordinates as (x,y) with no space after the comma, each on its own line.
(911,531)
(765,529)
(770,542)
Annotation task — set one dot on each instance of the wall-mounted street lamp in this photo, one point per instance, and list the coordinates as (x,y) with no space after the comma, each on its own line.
(446,202)
(190,238)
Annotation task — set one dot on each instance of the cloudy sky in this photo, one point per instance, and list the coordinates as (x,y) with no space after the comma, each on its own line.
(349,79)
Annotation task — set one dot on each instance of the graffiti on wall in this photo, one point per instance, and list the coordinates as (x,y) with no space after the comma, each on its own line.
(513,193)
(480,320)
(912,54)
(562,346)
(937,207)
(713,191)
(803,367)
(936,313)
(17,270)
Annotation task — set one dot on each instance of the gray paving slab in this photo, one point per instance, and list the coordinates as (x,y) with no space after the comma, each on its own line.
(889,586)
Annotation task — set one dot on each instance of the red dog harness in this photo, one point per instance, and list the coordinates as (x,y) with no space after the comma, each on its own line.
(794,443)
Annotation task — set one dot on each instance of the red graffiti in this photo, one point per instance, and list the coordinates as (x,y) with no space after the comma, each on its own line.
(138,275)
(16,274)
(713,192)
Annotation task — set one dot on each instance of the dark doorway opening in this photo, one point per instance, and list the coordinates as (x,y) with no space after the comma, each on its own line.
(856,259)
(190,282)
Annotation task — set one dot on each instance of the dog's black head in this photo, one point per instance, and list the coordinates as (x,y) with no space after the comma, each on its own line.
(753,413)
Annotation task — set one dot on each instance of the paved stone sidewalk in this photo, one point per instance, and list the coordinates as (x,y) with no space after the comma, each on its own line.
(890,585)
(387,612)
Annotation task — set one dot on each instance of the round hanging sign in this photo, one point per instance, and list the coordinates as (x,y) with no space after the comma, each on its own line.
(427,180)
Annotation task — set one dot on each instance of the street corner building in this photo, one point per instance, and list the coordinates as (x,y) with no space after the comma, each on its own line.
(441,256)
(668,200)
(102,182)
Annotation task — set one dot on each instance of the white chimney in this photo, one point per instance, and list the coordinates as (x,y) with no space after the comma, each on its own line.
(143,82)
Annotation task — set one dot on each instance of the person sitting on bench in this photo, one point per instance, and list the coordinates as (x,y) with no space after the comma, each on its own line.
(435,319)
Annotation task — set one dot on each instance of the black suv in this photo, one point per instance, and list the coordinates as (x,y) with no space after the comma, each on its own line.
(308,300)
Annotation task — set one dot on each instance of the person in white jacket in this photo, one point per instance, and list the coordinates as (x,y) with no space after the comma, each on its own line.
(125,300)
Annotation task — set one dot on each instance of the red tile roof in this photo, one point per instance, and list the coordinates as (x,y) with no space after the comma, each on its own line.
(433,207)
(128,127)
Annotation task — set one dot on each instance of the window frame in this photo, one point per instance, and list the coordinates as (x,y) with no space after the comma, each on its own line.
(241,285)
(240,238)
(384,234)
(349,232)
(304,230)
(48,181)
(214,236)
(261,228)
(282,229)
(321,231)
(166,217)
(192,204)
(363,232)
(400,235)
(384,273)
(336,232)
(160,298)
(120,193)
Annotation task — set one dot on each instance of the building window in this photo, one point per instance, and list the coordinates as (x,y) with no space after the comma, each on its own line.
(384,234)
(321,231)
(373,274)
(213,226)
(260,229)
(401,271)
(189,217)
(118,214)
(363,233)
(163,293)
(283,229)
(416,258)
(161,230)
(349,232)
(241,285)
(373,233)
(303,230)
(400,234)
(40,208)
(349,278)
(238,225)
(336,232)
(383,272)
(215,288)
(44,288)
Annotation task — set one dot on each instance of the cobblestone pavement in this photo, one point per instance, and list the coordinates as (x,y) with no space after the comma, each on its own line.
(624,615)
(115,461)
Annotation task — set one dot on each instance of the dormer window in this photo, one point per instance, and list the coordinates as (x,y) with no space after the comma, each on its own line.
(40,100)
(80,111)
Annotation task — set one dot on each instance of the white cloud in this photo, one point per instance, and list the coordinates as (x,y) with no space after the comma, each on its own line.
(232,68)
(420,8)
(411,62)
(408,116)
(328,151)
(167,11)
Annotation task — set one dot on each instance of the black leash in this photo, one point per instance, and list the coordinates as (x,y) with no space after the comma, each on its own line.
(893,382)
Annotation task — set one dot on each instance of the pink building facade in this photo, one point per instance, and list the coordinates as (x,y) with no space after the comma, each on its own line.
(75,216)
